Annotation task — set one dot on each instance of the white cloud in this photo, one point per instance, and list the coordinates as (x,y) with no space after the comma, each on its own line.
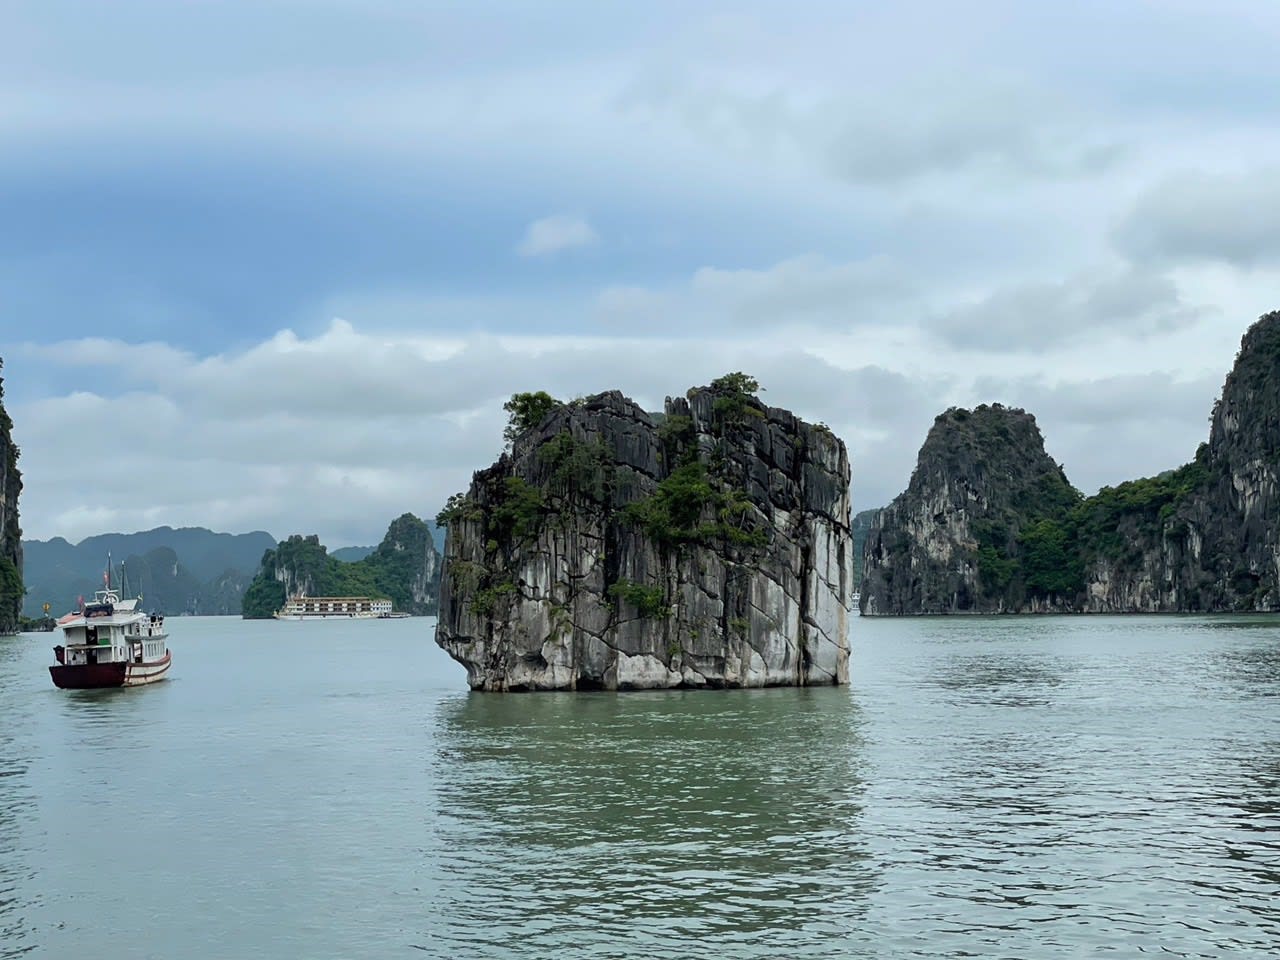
(807,290)
(551,235)
(340,432)
(1230,218)
(1036,316)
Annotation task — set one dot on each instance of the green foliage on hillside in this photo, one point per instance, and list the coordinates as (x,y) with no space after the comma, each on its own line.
(11,593)
(397,562)
(264,596)
(861,527)
(517,516)
(1050,564)
(1105,524)
(1042,547)
(678,440)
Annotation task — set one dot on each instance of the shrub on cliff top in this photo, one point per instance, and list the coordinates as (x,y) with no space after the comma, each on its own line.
(526,411)
(733,395)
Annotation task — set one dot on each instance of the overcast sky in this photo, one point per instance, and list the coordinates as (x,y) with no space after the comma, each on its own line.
(276,265)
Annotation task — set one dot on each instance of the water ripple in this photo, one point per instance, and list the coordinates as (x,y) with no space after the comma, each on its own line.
(1022,787)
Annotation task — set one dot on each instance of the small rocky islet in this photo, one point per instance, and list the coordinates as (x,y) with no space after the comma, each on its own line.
(706,546)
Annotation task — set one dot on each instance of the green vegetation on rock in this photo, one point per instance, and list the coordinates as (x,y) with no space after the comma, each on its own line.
(526,411)
(11,593)
(648,601)
(735,397)
(692,506)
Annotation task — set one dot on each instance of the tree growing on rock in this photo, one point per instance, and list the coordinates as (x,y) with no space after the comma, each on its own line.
(526,411)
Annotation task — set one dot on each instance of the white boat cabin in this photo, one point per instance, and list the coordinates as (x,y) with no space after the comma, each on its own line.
(111,630)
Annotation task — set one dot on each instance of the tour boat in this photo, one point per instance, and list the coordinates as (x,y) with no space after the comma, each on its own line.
(110,643)
(334,608)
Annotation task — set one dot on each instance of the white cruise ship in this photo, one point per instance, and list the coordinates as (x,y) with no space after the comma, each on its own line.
(334,608)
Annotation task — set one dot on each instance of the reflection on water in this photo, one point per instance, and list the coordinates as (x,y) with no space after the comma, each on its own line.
(653,820)
(16,803)
(1092,785)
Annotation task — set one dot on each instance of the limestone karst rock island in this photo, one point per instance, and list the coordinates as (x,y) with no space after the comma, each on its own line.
(11,590)
(611,549)
(989,523)
(404,567)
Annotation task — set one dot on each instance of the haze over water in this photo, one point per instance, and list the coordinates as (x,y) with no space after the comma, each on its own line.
(1019,787)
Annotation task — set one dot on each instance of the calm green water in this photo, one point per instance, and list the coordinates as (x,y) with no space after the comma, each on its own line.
(987,788)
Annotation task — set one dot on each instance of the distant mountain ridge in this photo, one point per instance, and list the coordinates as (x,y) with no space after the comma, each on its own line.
(183,570)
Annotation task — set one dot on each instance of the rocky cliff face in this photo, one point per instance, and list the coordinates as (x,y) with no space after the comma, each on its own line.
(949,543)
(11,589)
(1203,537)
(1212,542)
(610,550)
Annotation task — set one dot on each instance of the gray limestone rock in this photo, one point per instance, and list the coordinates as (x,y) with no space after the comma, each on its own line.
(611,549)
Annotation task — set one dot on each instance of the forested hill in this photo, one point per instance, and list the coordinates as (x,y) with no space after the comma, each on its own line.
(404,567)
(977,528)
(989,523)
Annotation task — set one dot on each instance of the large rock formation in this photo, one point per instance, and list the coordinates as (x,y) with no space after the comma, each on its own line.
(953,541)
(986,526)
(11,589)
(405,567)
(1205,537)
(707,547)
